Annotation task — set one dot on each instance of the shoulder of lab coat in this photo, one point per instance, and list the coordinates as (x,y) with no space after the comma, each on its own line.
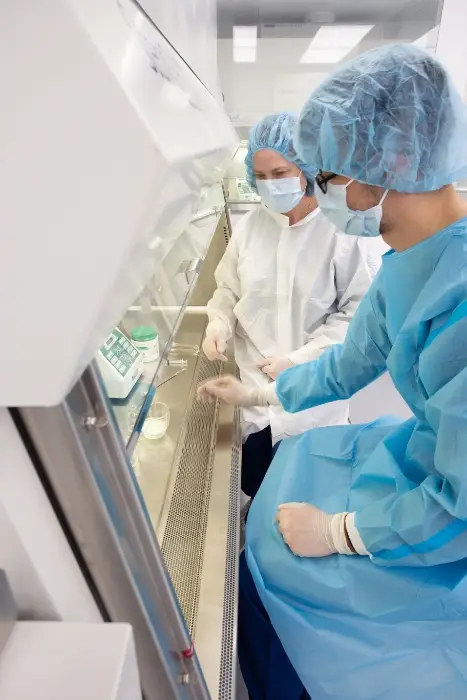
(255,220)
(221,306)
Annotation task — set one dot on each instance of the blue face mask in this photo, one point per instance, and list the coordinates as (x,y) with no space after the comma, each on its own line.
(281,195)
(333,204)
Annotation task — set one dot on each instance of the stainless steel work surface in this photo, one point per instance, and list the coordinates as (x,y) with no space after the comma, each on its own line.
(190,481)
(155,461)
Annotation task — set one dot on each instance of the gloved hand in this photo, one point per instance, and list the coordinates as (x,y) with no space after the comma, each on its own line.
(310,532)
(215,342)
(229,390)
(272,366)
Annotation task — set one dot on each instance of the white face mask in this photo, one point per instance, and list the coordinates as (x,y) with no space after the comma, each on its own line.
(333,204)
(281,195)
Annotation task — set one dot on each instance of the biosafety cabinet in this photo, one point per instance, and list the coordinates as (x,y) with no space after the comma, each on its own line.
(118,489)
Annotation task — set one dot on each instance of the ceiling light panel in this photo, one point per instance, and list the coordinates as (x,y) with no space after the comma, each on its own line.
(332,43)
(245,40)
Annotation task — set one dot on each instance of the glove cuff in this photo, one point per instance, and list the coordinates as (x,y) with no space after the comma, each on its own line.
(265,396)
(340,542)
(257,397)
(354,535)
(219,329)
(343,536)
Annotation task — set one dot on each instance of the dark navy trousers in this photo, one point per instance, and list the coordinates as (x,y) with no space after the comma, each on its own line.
(257,455)
(266,669)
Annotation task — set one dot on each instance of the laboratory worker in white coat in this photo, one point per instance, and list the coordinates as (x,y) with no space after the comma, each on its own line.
(287,287)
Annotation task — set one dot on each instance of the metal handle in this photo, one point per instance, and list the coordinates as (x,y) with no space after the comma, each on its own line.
(190,268)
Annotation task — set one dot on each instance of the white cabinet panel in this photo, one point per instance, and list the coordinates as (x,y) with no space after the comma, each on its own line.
(107,138)
(96,662)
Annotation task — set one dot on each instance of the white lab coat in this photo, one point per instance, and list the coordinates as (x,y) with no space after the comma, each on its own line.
(288,290)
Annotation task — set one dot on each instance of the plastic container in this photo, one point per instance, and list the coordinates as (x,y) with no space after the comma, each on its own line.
(146,340)
(157,421)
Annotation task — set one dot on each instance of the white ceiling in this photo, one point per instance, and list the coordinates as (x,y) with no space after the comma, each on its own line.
(232,12)
(277,79)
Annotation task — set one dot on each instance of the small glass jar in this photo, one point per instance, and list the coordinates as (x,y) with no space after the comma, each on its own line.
(146,340)
(157,421)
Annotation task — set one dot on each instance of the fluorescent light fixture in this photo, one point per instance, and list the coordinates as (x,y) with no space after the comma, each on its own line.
(245,40)
(332,43)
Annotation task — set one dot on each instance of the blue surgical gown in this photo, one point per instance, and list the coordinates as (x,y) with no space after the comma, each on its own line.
(393,625)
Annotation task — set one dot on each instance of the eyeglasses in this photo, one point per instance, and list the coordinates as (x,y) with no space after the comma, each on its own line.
(322,181)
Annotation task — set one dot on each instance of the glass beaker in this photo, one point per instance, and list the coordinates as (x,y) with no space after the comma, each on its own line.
(157,421)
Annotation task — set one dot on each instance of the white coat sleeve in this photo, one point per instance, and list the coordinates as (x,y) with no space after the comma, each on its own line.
(353,278)
(221,306)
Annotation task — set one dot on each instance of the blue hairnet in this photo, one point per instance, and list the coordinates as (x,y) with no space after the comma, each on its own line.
(276,132)
(390,117)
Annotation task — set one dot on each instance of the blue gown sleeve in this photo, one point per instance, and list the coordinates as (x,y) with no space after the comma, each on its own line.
(426,525)
(343,369)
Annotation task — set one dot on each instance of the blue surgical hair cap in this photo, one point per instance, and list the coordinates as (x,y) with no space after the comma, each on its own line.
(276,132)
(390,117)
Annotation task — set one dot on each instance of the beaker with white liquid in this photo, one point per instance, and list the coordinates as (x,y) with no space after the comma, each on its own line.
(157,421)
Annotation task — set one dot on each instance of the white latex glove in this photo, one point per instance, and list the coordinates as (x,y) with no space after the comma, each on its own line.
(310,532)
(272,366)
(215,342)
(229,390)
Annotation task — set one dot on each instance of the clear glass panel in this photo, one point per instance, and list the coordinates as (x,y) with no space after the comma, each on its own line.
(140,355)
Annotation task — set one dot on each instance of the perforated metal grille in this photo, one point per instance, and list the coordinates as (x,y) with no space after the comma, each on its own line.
(229,615)
(185,531)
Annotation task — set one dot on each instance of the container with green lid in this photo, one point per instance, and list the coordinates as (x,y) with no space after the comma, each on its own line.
(146,340)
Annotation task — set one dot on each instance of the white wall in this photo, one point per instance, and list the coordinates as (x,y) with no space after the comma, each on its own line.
(452,43)
(276,82)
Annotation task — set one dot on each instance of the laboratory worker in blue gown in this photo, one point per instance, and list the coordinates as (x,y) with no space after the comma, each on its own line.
(357,539)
